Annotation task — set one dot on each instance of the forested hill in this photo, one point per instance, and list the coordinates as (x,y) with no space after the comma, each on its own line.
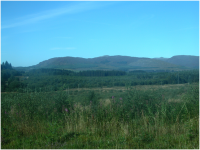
(123,63)
(184,60)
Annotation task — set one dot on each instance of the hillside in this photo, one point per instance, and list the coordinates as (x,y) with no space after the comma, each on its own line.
(185,60)
(125,63)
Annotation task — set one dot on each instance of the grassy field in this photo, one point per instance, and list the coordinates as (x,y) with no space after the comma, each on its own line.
(138,117)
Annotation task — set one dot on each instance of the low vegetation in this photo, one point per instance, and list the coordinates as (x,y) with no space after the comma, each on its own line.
(135,117)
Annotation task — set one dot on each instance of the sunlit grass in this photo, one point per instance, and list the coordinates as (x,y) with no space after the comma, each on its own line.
(138,118)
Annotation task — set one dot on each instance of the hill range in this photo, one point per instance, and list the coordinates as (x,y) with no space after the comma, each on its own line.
(124,63)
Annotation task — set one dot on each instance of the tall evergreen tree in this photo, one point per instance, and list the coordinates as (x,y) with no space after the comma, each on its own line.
(6,65)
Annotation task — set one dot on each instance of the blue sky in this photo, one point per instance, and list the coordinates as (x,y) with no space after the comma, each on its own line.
(34,31)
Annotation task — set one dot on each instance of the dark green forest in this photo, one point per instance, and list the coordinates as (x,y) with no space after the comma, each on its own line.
(43,80)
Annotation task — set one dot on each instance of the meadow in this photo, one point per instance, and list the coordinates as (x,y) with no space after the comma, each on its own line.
(134,117)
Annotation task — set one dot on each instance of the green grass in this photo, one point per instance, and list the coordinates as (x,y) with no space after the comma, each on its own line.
(163,117)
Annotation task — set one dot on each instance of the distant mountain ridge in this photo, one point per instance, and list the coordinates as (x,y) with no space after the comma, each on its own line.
(185,60)
(118,62)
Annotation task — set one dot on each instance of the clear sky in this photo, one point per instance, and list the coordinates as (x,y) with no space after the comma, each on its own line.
(34,31)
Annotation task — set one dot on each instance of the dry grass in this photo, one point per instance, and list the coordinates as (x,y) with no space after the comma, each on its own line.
(137,87)
(174,100)
(106,102)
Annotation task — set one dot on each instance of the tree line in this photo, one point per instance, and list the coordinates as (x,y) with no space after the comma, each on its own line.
(97,73)
(44,80)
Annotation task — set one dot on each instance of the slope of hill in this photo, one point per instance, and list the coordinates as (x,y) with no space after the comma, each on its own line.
(185,60)
(125,63)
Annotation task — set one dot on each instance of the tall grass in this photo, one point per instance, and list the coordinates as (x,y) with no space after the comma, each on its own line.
(158,118)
